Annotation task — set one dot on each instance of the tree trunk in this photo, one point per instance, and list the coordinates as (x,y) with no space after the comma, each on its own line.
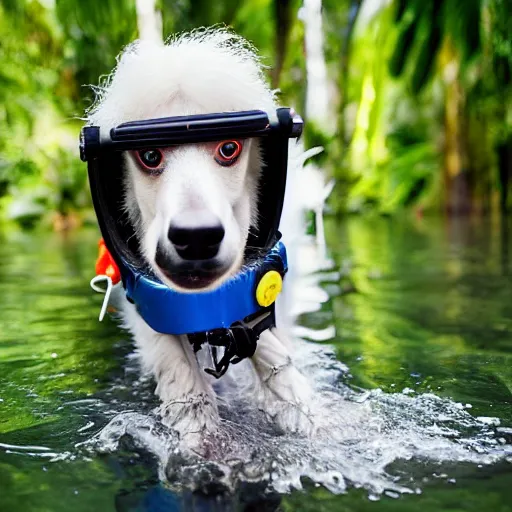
(149,20)
(317,100)
(457,191)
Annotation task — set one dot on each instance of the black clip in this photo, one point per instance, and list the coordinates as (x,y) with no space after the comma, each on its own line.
(239,341)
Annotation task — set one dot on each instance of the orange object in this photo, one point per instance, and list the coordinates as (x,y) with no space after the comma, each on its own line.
(105,264)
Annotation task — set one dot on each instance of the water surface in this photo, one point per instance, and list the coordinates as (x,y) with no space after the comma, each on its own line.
(419,418)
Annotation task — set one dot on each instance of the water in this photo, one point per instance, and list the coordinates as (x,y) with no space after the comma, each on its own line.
(411,360)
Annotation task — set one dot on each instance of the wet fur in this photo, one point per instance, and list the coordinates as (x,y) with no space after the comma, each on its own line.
(200,72)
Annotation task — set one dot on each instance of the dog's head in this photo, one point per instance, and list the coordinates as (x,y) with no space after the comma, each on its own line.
(192,205)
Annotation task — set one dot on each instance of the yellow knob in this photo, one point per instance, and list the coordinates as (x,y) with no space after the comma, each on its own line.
(269,288)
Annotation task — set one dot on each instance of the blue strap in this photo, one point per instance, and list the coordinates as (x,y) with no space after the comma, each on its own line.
(171,312)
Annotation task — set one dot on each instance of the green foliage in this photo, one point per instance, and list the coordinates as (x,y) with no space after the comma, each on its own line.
(387,70)
(422,27)
(406,36)
(316,136)
(94,33)
(27,75)
(441,57)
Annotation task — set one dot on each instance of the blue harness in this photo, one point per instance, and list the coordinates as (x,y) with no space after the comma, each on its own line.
(171,312)
(220,317)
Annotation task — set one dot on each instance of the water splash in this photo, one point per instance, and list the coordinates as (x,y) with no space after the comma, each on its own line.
(361,435)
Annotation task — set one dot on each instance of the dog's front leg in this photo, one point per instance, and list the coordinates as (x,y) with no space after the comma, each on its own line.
(283,392)
(188,401)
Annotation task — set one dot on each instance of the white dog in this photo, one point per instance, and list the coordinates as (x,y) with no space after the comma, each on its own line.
(189,192)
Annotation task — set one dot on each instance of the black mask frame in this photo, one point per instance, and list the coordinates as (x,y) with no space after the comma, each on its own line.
(103,153)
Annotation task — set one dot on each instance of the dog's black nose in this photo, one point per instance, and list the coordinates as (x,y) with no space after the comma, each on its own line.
(196,236)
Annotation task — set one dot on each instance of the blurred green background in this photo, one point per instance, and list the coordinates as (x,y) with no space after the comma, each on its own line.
(413,97)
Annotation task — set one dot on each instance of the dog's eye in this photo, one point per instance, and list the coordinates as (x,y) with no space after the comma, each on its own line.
(227,152)
(150,158)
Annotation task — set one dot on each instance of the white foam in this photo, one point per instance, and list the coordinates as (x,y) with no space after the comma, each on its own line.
(360,433)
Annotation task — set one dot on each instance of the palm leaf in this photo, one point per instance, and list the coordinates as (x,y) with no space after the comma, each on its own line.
(429,48)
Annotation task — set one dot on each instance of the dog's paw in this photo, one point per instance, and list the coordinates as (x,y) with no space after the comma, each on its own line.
(293,418)
(286,397)
(193,417)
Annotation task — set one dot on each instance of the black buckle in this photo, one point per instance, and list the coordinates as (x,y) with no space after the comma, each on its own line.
(239,342)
